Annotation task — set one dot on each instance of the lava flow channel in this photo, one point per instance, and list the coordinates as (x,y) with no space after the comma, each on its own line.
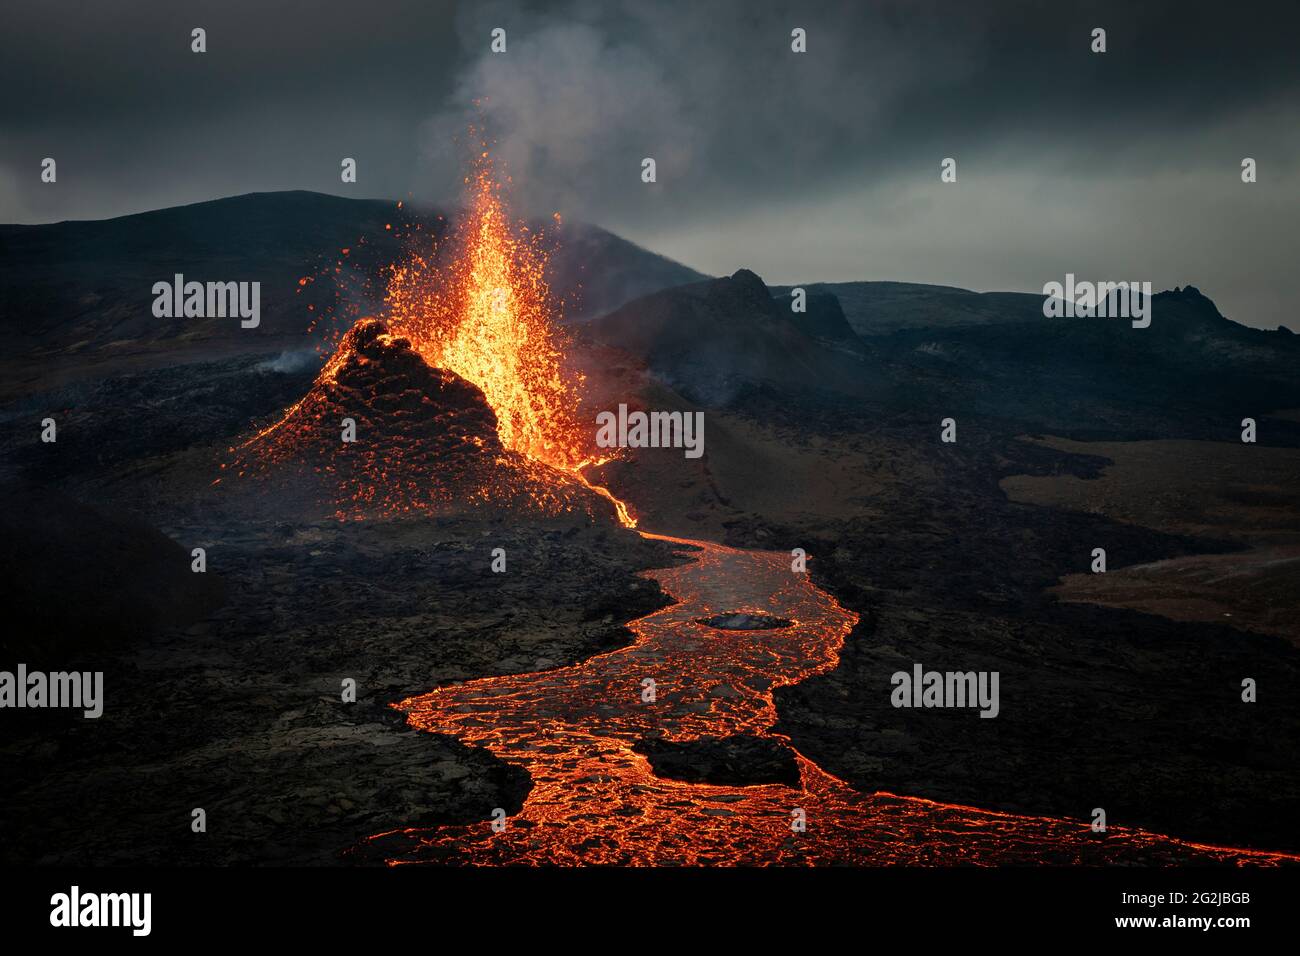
(596,801)
(486,314)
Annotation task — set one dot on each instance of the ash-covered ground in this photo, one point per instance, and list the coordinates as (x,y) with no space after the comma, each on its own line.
(822,431)
(223,690)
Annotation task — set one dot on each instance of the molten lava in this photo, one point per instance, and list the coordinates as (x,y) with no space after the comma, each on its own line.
(466,373)
(485,312)
(595,799)
(482,312)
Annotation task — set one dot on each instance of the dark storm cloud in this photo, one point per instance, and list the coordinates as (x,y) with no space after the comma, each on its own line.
(808,167)
(714,94)
(285,91)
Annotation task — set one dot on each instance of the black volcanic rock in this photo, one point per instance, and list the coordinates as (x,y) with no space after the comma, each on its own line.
(711,339)
(80,578)
(402,406)
(823,319)
(424,438)
(77,294)
(82,289)
(1191,373)
(739,760)
(422,434)
(881,308)
(742,290)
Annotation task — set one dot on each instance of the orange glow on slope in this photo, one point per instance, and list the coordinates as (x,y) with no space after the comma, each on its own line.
(483,311)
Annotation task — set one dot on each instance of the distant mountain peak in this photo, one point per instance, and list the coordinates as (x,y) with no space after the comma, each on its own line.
(1186,302)
(747,277)
(742,290)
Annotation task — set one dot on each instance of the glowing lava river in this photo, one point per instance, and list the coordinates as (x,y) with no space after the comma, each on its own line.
(485,314)
(595,800)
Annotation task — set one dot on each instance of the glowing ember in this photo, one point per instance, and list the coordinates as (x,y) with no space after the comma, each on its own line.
(485,314)
(482,311)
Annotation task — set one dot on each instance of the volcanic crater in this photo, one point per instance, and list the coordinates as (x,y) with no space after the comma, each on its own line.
(388,433)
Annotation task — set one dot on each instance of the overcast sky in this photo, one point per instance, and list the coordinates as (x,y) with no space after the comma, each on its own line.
(822,166)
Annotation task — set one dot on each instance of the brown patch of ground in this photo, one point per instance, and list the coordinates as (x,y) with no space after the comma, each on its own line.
(1239,492)
(760,473)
